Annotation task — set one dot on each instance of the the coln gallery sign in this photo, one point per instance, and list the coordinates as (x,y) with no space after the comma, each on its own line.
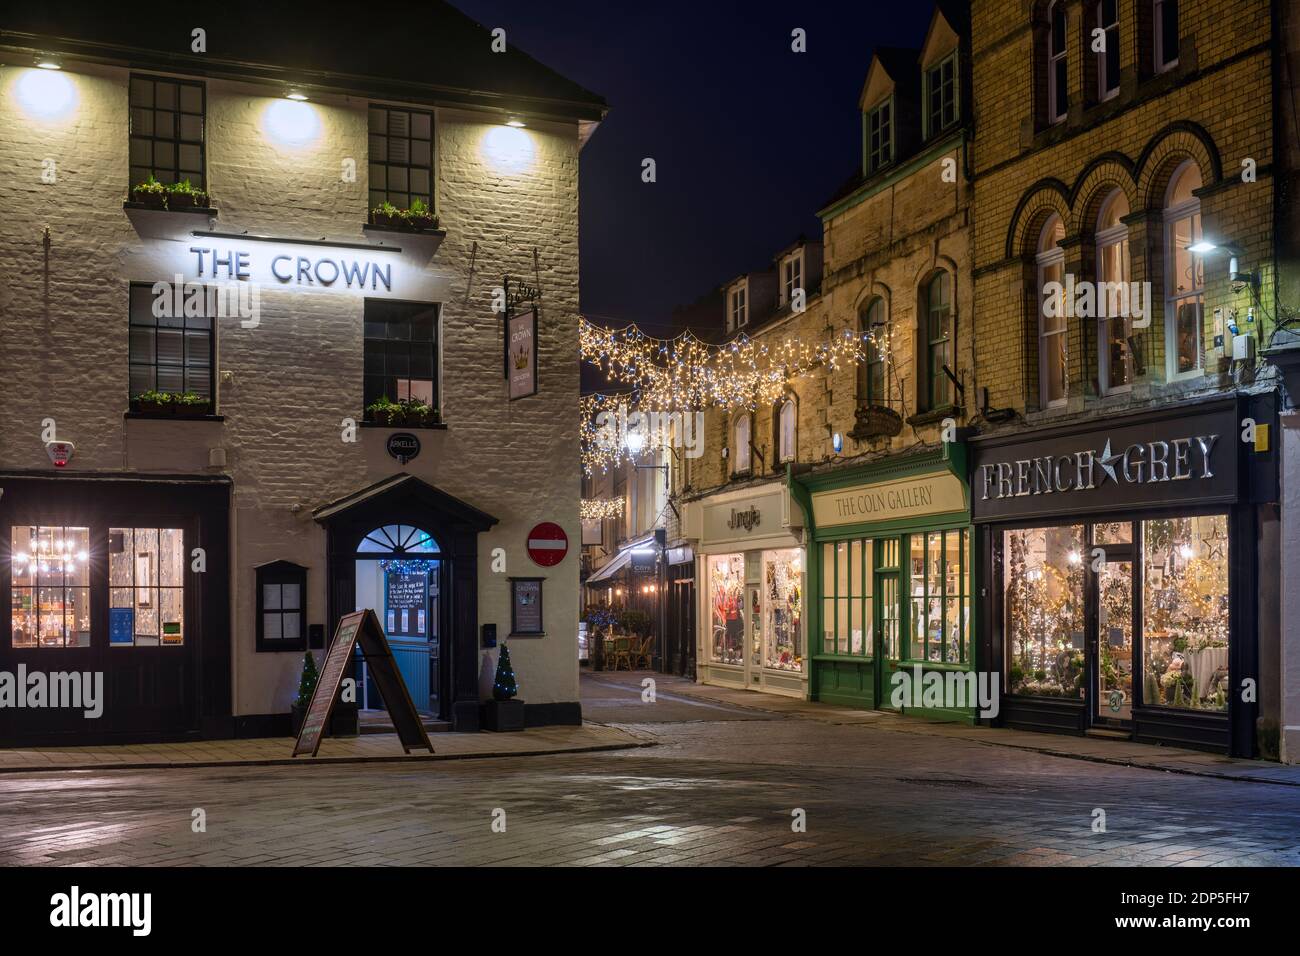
(1166,460)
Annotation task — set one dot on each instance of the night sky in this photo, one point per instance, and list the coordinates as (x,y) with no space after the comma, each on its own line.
(750,139)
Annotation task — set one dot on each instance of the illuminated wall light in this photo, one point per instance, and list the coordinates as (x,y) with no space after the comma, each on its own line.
(295,94)
(292,122)
(48,61)
(46,94)
(507,148)
(516,123)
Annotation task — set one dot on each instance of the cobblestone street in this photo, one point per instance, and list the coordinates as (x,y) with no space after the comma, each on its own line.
(719,788)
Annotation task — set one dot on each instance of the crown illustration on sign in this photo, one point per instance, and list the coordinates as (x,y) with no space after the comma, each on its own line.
(521,357)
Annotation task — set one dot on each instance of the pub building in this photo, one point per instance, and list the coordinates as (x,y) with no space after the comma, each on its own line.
(890,574)
(1120,572)
(251,373)
(752,611)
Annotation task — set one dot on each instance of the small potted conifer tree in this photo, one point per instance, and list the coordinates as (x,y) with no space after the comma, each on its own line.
(504,712)
(306,687)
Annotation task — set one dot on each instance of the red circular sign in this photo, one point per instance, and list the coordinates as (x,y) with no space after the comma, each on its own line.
(548,544)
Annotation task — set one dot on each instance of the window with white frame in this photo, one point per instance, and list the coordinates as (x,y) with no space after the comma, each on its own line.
(1164,17)
(1052,369)
(1108,56)
(1184,275)
(1058,66)
(880,136)
(791,277)
(737,307)
(1114,322)
(941,96)
(740,452)
(788,420)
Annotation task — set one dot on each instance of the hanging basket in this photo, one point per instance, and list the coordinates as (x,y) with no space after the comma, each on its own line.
(876,421)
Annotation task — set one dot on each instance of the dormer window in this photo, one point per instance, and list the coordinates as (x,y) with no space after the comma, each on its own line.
(880,136)
(941,96)
(737,307)
(791,277)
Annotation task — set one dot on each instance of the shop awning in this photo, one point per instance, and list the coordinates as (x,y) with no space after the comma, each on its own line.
(608,571)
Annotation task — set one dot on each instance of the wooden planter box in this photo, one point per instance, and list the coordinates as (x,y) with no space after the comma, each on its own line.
(154,200)
(503,716)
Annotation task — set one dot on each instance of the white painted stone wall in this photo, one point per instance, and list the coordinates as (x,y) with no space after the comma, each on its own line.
(63,340)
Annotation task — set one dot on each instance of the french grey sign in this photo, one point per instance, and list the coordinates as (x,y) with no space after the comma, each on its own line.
(1127,463)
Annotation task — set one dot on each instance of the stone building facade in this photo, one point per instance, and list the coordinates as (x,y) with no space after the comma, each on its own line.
(277,479)
(1127,143)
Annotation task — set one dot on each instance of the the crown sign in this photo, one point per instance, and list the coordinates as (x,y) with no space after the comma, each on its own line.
(521,357)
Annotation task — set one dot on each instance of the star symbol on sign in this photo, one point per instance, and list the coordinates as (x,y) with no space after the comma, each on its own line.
(1106,461)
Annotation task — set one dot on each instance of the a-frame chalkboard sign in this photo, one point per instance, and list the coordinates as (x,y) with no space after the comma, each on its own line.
(361,629)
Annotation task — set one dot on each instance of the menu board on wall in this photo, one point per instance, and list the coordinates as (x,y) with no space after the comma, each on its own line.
(404,603)
(526,607)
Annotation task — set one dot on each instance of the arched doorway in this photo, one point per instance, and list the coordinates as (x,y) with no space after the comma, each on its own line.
(420,516)
(398,575)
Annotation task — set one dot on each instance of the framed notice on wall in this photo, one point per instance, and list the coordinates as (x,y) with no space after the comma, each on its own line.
(526,607)
(521,354)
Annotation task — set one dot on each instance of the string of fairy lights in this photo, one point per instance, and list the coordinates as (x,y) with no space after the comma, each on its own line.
(598,509)
(685,374)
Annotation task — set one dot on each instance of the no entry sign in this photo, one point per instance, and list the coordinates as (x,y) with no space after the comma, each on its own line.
(548,544)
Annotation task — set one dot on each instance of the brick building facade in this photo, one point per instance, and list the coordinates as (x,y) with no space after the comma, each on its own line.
(287,481)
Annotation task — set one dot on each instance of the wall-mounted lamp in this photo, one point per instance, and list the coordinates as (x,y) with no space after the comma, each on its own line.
(48,61)
(294,93)
(837,442)
(1237,280)
(516,122)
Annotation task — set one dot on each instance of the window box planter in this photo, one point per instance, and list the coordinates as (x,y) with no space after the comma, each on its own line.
(187,202)
(876,421)
(149,198)
(503,716)
(192,409)
(152,407)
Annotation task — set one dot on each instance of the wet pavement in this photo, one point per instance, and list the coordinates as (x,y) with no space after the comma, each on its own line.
(726,784)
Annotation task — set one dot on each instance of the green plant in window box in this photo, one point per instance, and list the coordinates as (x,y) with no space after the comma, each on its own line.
(386,215)
(412,411)
(384,411)
(153,402)
(420,216)
(184,195)
(192,405)
(150,193)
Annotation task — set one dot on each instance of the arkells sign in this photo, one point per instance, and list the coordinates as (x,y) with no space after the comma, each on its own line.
(1172,459)
(940,492)
(403,446)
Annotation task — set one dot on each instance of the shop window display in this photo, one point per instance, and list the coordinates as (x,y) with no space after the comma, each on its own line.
(781,577)
(726,597)
(50,587)
(940,570)
(1043,579)
(1185,612)
(146,580)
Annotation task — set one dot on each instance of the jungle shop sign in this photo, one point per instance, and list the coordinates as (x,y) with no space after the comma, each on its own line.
(1166,462)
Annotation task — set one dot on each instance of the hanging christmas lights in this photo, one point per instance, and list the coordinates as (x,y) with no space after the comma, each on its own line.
(598,509)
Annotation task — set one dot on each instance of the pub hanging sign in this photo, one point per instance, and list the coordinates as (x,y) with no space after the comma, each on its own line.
(521,301)
(1168,461)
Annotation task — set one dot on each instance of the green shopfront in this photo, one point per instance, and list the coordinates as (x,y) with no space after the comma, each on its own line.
(889,579)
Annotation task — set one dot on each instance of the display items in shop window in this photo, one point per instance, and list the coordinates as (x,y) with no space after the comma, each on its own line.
(784,610)
(146,582)
(1043,602)
(940,598)
(1185,612)
(50,587)
(1115,643)
(726,597)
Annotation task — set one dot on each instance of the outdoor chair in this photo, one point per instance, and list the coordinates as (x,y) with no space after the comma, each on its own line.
(622,652)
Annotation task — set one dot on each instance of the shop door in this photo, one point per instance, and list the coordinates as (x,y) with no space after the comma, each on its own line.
(1111,638)
(753,636)
(887,622)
